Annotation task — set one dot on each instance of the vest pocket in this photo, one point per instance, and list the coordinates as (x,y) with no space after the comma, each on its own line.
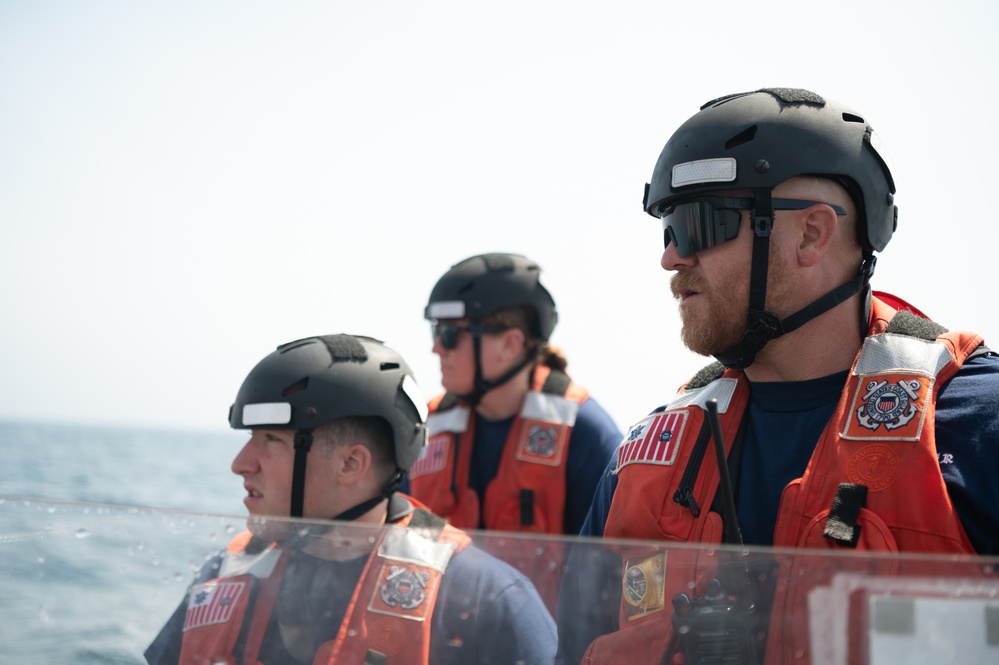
(874,534)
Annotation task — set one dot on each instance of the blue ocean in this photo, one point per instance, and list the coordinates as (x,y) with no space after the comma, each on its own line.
(103,537)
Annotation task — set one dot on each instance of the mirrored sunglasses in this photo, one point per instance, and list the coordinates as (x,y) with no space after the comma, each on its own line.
(696,224)
(448,333)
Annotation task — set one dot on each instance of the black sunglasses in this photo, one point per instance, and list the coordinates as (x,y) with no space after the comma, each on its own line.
(448,332)
(696,224)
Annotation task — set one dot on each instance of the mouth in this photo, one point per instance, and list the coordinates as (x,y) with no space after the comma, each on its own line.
(684,287)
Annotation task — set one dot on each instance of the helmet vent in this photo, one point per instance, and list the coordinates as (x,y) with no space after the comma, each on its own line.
(850,117)
(745,136)
(296,387)
(388,366)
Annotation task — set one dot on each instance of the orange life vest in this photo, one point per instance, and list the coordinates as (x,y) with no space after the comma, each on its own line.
(881,437)
(528,492)
(388,615)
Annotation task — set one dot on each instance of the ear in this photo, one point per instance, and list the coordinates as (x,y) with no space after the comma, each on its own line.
(353,463)
(513,342)
(817,226)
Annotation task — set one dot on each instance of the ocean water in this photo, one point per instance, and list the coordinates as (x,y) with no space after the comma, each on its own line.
(182,470)
(88,573)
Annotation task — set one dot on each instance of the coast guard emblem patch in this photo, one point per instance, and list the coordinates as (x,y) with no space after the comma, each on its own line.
(654,440)
(888,407)
(212,603)
(542,443)
(402,590)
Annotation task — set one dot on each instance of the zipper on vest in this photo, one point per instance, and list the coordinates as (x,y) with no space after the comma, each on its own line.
(685,493)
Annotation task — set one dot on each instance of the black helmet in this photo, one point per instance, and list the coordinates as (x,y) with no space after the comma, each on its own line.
(760,139)
(481,285)
(756,141)
(311,382)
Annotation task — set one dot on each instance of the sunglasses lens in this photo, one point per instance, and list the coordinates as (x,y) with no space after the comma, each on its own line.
(447,334)
(695,225)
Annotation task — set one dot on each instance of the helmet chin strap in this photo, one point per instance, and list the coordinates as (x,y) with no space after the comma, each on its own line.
(763,326)
(390,488)
(482,385)
(303,444)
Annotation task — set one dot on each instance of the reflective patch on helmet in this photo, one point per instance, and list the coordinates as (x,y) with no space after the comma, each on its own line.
(446,309)
(268,413)
(412,391)
(879,148)
(722,169)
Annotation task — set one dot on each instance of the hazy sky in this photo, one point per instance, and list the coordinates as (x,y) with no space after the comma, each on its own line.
(185,185)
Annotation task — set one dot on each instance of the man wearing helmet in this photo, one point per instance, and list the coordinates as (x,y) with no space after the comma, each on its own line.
(335,421)
(850,420)
(514,443)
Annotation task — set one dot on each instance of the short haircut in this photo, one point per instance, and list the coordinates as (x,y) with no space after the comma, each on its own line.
(373,432)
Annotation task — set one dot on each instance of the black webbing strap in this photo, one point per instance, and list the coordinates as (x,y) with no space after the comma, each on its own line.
(303,443)
(763,224)
(842,523)
(840,294)
(526,507)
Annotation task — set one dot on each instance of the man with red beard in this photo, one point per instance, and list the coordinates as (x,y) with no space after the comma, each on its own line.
(850,420)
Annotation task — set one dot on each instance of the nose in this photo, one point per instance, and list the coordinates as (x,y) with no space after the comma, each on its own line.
(245,460)
(438,346)
(671,259)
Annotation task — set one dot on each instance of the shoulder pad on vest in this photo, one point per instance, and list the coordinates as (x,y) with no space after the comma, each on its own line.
(423,519)
(705,376)
(906,323)
(556,383)
(447,402)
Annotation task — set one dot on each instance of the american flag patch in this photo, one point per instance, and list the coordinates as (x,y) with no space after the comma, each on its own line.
(212,603)
(433,457)
(654,440)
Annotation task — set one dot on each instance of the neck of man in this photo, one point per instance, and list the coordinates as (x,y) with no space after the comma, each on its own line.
(827,344)
(349,540)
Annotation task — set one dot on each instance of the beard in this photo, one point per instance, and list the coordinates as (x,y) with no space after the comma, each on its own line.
(717,322)
(719,319)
